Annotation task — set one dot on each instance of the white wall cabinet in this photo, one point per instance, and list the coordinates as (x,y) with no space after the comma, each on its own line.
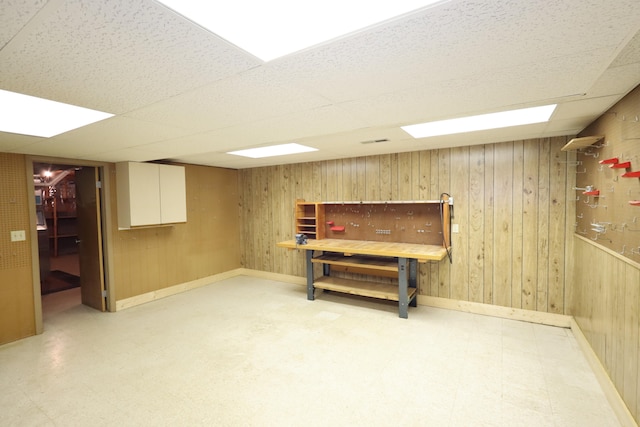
(150,194)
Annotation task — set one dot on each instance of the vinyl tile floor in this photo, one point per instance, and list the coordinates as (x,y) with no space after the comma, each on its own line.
(254,352)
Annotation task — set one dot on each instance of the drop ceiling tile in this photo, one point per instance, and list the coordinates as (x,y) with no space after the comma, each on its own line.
(114,56)
(12,142)
(630,54)
(128,154)
(588,107)
(616,80)
(483,137)
(119,132)
(214,141)
(14,15)
(502,89)
(251,96)
(452,41)
(107,135)
(570,126)
(315,122)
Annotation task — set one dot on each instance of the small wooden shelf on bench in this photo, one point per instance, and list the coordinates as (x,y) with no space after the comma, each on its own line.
(361,288)
(360,264)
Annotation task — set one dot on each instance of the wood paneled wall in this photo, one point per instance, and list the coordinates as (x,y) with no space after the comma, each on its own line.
(606,291)
(620,127)
(17,312)
(510,202)
(605,304)
(150,259)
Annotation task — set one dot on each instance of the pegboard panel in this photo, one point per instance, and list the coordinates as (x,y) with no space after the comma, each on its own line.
(608,181)
(406,222)
(14,212)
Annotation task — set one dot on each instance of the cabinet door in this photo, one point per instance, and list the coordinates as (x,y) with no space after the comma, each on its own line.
(144,194)
(173,197)
(138,194)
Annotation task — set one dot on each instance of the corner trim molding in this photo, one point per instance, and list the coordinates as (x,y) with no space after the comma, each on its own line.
(552,319)
(176,289)
(609,389)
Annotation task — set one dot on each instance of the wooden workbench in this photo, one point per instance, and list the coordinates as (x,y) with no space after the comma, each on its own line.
(368,257)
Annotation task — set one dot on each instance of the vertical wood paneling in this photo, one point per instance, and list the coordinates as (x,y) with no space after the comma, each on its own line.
(422,188)
(347,179)
(372,178)
(429,172)
(517,226)
(385,173)
(426,187)
(339,181)
(299,269)
(444,185)
(496,189)
(618,325)
(264,185)
(570,215)
(530,224)
(489,220)
(543,226)
(406,180)
(394,177)
(324,181)
(503,219)
(315,183)
(557,226)
(630,340)
(605,304)
(460,241)
(359,190)
(476,223)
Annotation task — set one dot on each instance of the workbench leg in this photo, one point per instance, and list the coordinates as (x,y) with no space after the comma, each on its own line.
(326,269)
(403,303)
(413,280)
(310,288)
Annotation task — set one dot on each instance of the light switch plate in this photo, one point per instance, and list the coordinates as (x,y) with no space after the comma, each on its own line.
(18,236)
(454,228)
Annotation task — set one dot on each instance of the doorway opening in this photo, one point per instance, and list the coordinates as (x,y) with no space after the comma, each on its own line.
(68,211)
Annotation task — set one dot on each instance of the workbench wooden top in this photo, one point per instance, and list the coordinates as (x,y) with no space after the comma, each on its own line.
(365,247)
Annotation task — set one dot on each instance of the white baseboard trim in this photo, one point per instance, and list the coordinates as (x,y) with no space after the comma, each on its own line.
(609,389)
(176,289)
(551,319)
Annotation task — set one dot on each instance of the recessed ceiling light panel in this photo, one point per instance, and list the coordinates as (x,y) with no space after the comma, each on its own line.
(503,119)
(29,115)
(271,29)
(273,150)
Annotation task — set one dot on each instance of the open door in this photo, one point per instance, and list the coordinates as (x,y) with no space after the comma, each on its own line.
(90,238)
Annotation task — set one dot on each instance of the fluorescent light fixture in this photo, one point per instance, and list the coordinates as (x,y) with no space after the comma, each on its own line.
(503,119)
(29,115)
(273,150)
(271,29)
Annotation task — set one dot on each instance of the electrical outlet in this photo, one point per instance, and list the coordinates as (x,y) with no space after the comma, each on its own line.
(18,236)
(454,228)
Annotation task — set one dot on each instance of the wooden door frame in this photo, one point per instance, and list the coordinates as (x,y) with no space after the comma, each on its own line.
(105,206)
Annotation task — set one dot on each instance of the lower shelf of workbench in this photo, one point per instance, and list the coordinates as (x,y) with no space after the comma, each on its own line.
(361,288)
